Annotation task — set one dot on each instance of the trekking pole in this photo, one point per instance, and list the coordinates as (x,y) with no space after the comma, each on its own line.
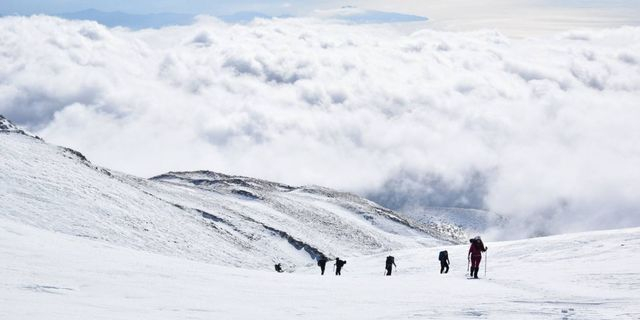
(486,257)
(468,263)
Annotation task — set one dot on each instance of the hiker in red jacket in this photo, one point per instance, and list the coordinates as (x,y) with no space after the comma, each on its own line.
(475,255)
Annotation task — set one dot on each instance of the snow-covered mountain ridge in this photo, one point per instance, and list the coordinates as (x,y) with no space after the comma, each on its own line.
(473,221)
(8,126)
(205,216)
(257,189)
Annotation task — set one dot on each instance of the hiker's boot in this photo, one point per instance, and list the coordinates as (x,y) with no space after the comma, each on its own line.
(475,275)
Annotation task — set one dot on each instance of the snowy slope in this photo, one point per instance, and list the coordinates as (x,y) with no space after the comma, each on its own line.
(47,275)
(201,216)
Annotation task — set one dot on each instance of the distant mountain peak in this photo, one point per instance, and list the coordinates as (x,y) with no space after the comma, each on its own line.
(7,126)
(211,179)
(364,16)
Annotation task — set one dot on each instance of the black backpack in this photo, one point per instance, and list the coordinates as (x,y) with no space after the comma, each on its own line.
(444,255)
(478,244)
(390,260)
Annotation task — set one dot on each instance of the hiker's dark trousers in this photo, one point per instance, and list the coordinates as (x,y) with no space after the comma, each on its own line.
(475,261)
(388,271)
(338,270)
(321,270)
(444,267)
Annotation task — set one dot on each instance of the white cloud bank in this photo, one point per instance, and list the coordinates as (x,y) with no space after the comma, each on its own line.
(545,130)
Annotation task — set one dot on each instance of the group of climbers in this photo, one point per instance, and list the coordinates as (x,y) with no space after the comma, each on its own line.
(322,263)
(474,257)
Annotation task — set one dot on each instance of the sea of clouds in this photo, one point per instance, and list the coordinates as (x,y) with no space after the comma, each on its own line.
(545,131)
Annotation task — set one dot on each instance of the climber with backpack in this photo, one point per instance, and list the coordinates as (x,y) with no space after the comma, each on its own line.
(389,264)
(338,265)
(475,255)
(278,267)
(444,261)
(322,262)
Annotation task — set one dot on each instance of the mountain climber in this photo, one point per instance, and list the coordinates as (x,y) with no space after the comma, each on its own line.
(322,262)
(389,264)
(475,255)
(444,261)
(278,267)
(338,265)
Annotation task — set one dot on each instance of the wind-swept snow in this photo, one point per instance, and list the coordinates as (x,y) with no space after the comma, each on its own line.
(46,275)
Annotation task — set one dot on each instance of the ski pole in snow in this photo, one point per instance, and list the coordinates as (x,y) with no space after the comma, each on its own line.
(468,262)
(486,257)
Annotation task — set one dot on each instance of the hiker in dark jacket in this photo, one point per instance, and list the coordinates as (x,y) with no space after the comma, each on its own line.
(278,267)
(322,263)
(475,255)
(338,265)
(444,261)
(389,264)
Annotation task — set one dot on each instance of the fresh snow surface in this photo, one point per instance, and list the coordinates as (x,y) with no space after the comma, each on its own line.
(49,275)
(202,216)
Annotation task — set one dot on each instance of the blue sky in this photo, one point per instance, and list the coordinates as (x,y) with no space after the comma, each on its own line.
(153,6)
(265,6)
